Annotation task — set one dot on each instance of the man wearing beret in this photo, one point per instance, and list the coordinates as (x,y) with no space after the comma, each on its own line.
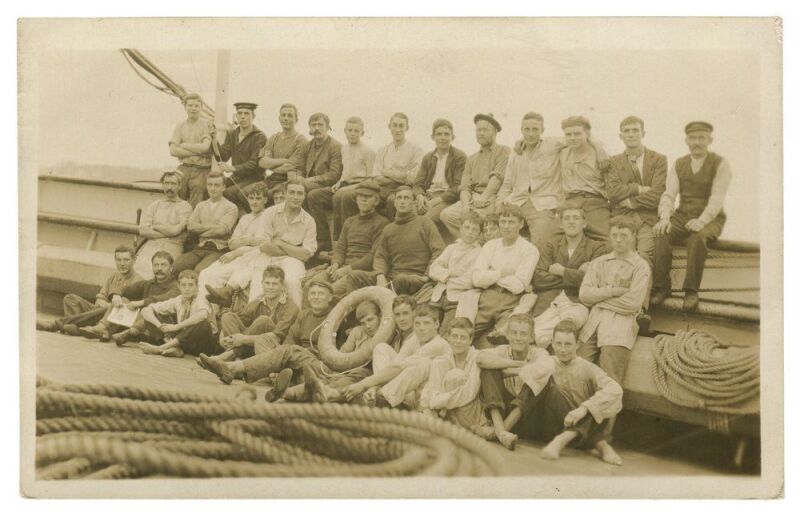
(702,179)
(483,175)
(583,174)
(354,248)
(242,146)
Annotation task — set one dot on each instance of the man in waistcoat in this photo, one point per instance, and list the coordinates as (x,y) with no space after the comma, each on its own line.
(702,179)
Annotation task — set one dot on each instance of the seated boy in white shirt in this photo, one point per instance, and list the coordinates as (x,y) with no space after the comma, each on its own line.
(181,324)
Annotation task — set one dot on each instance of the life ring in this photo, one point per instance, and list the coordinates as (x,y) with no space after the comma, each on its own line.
(341,361)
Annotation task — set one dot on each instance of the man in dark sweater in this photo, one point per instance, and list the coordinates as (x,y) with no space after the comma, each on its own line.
(354,249)
(162,286)
(702,179)
(404,250)
(559,274)
(242,147)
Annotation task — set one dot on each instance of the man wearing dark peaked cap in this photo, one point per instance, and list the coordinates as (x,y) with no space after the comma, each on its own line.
(242,147)
(702,179)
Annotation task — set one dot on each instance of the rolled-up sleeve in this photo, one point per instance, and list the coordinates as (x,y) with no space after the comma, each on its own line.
(719,189)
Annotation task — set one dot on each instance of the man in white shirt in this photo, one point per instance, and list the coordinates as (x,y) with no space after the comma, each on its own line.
(358,160)
(533,179)
(291,239)
(502,272)
(702,179)
(397,163)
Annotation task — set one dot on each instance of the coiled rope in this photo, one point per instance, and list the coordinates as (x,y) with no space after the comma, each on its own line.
(114,432)
(692,369)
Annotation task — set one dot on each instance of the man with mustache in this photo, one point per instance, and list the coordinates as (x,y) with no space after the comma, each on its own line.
(702,179)
(163,223)
(482,177)
(323,168)
(162,286)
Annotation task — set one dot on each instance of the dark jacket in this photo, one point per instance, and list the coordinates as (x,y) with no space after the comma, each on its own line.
(454,168)
(323,163)
(151,291)
(244,155)
(546,285)
(622,184)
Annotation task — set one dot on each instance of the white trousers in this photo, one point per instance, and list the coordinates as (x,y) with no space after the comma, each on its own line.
(562,308)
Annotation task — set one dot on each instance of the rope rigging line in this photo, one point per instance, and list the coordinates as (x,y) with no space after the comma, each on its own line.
(115,432)
(135,58)
(692,369)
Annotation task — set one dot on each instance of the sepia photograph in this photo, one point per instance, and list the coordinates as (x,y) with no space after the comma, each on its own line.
(401,257)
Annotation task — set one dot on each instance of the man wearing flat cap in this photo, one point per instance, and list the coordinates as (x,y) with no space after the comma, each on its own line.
(483,175)
(242,146)
(584,167)
(354,247)
(702,179)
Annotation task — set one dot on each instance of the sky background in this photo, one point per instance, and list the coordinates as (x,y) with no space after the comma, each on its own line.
(98,112)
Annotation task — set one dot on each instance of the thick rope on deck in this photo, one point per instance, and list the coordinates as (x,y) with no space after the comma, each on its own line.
(708,374)
(115,432)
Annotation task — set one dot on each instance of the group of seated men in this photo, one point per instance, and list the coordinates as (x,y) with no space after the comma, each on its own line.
(599,236)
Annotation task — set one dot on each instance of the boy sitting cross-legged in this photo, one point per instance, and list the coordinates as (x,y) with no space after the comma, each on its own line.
(503,380)
(191,332)
(454,381)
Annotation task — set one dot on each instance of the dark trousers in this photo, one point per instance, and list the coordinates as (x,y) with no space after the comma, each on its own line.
(543,418)
(272,361)
(494,393)
(195,340)
(493,302)
(696,251)
(79,311)
(197,259)
(320,203)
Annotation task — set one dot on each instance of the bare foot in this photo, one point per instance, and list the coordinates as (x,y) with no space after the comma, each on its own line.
(173,351)
(217,367)
(147,348)
(484,431)
(607,453)
(551,452)
(508,440)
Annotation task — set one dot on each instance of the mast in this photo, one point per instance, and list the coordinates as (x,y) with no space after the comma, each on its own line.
(221,95)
